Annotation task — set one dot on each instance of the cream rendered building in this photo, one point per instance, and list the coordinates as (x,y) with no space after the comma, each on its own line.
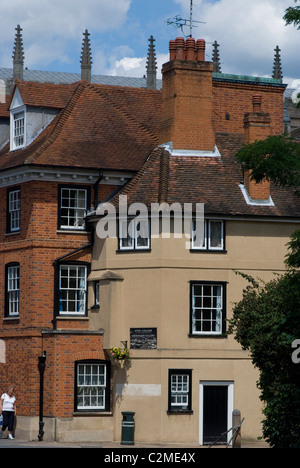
(153,291)
(168,298)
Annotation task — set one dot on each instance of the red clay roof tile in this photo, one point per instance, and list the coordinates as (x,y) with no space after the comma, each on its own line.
(98,127)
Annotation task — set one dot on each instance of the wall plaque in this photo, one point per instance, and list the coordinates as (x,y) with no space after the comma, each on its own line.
(143,338)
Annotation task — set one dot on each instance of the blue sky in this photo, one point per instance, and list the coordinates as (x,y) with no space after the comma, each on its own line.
(247,32)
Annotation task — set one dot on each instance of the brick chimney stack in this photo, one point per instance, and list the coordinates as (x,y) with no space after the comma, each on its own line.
(187,97)
(256,127)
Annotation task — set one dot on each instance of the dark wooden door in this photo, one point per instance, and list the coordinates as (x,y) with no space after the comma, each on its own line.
(215,408)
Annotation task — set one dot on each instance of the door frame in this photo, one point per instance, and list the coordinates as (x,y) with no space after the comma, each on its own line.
(230,399)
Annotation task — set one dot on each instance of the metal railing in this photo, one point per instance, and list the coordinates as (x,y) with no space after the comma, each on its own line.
(235,432)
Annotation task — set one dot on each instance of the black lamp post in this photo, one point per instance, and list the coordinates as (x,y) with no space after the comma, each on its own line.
(42,365)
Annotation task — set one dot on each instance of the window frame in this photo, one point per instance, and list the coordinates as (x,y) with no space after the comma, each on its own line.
(207,241)
(8,312)
(134,245)
(13,137)
(71,228)
(58,298)
(107,386)
(9,212)
(211,334)
(96,290)
(175,408)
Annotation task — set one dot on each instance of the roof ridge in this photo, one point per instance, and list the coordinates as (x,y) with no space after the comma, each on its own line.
(61,117)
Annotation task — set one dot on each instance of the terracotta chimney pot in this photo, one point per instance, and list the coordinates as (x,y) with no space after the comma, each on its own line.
(180,55)
(200,46)
(172,49)
(256,102)
(190,46)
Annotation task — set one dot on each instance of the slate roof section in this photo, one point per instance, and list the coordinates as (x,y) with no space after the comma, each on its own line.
(101,127)
(213,181)
(65,78)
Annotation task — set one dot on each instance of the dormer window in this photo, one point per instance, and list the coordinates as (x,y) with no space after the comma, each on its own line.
(19,129)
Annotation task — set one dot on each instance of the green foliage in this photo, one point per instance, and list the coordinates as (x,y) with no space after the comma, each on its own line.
(276,158)
(292,16)
(293,258)
(266,322)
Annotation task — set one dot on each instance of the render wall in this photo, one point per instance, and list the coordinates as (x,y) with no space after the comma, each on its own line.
(152,289)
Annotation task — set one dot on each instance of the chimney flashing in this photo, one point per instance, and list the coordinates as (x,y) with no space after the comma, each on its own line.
(255,202)
(190,153)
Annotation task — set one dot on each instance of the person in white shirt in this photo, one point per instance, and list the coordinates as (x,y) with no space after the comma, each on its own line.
(8,410)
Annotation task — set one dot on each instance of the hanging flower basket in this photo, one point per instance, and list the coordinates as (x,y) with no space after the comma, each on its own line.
(119,354)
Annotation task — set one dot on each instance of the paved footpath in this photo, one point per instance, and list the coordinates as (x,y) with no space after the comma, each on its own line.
(6,443)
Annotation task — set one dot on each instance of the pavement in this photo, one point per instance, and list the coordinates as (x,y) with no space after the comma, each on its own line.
(108,446)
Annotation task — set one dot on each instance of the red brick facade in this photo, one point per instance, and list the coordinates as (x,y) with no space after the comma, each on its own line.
(35,248)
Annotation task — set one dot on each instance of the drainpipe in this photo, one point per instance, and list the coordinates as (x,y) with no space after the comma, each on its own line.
(96,189)
(41,366)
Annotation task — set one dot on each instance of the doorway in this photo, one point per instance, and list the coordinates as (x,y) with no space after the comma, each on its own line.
(216,406)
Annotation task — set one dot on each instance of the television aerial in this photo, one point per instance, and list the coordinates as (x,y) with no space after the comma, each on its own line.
(180,23)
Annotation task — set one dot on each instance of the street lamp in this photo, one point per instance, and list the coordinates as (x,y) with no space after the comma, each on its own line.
(41,365)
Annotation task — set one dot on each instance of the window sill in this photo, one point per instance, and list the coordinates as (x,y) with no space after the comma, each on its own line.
(207,251)
(12,233)
(92,413)
(176,412)
(131,251)
(194,335)
(72,231)
(8,319)
(72,317)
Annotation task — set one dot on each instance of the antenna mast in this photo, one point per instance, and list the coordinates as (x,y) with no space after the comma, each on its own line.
(191,19)
(179,22)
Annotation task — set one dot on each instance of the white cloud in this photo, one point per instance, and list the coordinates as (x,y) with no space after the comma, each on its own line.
(248,32)
(135,66)
(49,26)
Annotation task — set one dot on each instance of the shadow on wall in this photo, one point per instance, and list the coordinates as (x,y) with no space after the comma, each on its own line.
(120,378)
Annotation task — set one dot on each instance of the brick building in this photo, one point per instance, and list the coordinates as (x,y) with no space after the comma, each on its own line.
(168,297)
(63,150)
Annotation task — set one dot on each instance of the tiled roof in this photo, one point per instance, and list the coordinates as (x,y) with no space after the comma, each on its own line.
(45,94)
(101,127)
(213,181)
(4,108)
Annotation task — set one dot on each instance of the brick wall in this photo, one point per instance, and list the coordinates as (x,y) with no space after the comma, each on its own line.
(195,106)
(35,247)
(232,100)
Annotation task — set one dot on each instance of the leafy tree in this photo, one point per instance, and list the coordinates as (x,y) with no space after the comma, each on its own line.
(266,322)
(292,16)
(276,158)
